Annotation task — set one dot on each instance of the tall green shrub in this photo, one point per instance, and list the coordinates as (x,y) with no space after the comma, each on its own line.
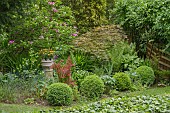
(89,13)
(11,12)
(144,20)
(46,25)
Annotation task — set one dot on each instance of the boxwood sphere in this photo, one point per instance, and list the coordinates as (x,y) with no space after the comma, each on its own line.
(146,74)
(123,81)
(59,94)
(92,87)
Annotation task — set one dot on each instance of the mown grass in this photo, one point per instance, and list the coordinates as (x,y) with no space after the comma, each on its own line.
(20,108)
(150,91)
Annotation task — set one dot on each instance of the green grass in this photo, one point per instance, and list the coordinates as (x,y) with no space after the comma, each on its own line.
(150,91)
(20,108)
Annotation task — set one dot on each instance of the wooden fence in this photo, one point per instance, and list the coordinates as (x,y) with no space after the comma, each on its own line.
(162,57)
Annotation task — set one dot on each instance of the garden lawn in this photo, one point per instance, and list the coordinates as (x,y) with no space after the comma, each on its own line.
(150,91)
(21,108)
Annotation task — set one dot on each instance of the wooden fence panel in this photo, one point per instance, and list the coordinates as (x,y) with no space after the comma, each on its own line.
(163,58)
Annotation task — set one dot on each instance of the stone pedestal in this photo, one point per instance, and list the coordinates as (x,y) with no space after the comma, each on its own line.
(46,67)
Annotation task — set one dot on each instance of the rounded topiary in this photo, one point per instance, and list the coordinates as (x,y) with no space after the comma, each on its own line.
(146,75)
(123,81)
(59,94)
(92,87)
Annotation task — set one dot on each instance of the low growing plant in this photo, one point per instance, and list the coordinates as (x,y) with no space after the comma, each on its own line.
(13,88)
(137,104)
(109,83)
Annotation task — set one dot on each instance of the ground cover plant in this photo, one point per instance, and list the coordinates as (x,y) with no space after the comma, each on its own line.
(158,104)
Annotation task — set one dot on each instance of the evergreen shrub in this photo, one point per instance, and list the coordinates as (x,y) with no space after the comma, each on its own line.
(123,81)
(146,74)
(92,87)
(59,94)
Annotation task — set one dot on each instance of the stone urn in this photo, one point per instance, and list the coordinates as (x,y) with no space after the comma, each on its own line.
(46,63)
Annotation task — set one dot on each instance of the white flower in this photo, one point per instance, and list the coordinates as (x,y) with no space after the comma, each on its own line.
(41,37)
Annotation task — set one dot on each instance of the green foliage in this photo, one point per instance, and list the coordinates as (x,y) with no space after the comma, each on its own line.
(11,11)
(123,81)
(135,80)
(146,74)
(98,41)
(44,26)
(51,25)
(76,93)
(162,76)
(137,104)
(59,94)
(89,13)
(12,88)
(92,87)
(29,101)
(144,20)
(109,83)
(124,57)
(110,5)
(83,61)
(26,85)
(79,76)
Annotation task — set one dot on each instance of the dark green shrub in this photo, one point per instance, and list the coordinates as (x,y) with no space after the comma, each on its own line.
(92,87)
(59,94)
(123,81)
(146,74)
